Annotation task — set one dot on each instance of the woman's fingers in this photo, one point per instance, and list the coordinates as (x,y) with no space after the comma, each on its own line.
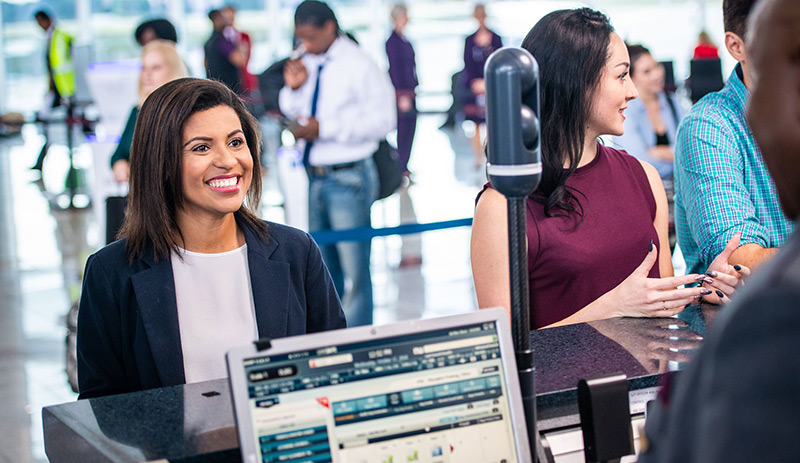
(723,285)
(717,297)
(674,282)
(644,268)
(673,296)
(724,278)
(725,298)
(743,270)
(668,308)
(733,243)
(714,297)
(673,312)
(719,285)
(671,302)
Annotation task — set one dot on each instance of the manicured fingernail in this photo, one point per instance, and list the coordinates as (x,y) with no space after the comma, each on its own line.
(708,280)
(705,292)
(651,246)
(719,293)
(737,267)
(712,274)
(699,278)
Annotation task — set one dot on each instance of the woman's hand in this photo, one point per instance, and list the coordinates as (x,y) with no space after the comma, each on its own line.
(722,278)
(641,296)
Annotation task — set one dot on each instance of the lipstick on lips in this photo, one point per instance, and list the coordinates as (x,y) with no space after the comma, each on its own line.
(226,183)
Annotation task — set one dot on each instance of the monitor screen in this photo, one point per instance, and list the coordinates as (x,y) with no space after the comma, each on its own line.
(437,396)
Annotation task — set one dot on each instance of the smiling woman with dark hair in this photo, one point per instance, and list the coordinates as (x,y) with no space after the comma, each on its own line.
(196,271)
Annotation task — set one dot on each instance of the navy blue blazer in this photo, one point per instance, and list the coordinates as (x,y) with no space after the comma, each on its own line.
(128,335)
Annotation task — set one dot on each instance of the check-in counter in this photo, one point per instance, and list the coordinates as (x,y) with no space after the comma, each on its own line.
(644,349)
(195,423)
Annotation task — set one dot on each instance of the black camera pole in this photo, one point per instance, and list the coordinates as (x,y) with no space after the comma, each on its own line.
(514,169)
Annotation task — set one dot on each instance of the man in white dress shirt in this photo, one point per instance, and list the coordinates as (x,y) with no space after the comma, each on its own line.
(344,105)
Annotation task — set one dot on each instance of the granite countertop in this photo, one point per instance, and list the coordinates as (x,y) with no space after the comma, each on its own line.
(641,348)
(178,423)
(195,422)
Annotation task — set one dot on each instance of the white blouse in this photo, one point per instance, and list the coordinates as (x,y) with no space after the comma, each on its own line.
(216,310)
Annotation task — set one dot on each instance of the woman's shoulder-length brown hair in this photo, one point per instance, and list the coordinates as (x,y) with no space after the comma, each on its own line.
(156,191)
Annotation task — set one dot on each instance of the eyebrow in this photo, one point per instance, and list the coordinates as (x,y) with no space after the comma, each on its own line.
(624,63)
(209,138)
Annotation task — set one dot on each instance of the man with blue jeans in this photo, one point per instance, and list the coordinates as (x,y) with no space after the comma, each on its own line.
(722,185)
(344,106)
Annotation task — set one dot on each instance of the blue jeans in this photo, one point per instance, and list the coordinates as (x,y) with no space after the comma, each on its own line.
(340,200)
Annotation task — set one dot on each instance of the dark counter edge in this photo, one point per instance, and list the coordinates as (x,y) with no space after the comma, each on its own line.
(65,443)
(559,409)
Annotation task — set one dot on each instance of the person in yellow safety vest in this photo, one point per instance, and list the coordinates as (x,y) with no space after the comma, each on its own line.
(59,59)
(60,71)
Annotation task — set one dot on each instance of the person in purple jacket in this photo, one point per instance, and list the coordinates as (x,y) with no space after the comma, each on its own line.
(403,72)
(477,48)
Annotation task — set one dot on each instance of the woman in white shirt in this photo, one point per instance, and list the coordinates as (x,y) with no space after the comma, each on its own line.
(197,272)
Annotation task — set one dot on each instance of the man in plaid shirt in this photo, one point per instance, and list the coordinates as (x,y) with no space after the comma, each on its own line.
(721,182)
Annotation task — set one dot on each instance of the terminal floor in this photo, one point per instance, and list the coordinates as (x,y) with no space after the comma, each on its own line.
(43,248)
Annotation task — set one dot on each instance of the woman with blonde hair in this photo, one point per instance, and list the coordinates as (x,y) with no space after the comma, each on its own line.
(160,64)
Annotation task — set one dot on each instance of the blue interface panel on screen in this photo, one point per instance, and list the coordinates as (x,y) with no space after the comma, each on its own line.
(440,396)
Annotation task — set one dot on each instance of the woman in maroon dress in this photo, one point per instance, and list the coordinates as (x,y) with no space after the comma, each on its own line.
(597,223)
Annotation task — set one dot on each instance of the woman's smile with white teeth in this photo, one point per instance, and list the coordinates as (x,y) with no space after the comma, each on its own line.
(223,182)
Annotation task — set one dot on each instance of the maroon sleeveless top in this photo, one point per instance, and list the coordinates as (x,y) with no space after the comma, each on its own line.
(569,266)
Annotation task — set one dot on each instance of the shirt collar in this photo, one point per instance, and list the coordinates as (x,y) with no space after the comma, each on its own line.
(738,92)
(334,50)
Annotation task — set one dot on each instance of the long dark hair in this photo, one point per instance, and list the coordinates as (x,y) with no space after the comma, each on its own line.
(635,51)
(156,191)
(571,47)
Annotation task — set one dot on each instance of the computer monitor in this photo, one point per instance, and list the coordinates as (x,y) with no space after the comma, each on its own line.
(438,391)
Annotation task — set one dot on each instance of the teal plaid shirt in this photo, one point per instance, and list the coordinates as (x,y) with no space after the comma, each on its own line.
(721,182)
